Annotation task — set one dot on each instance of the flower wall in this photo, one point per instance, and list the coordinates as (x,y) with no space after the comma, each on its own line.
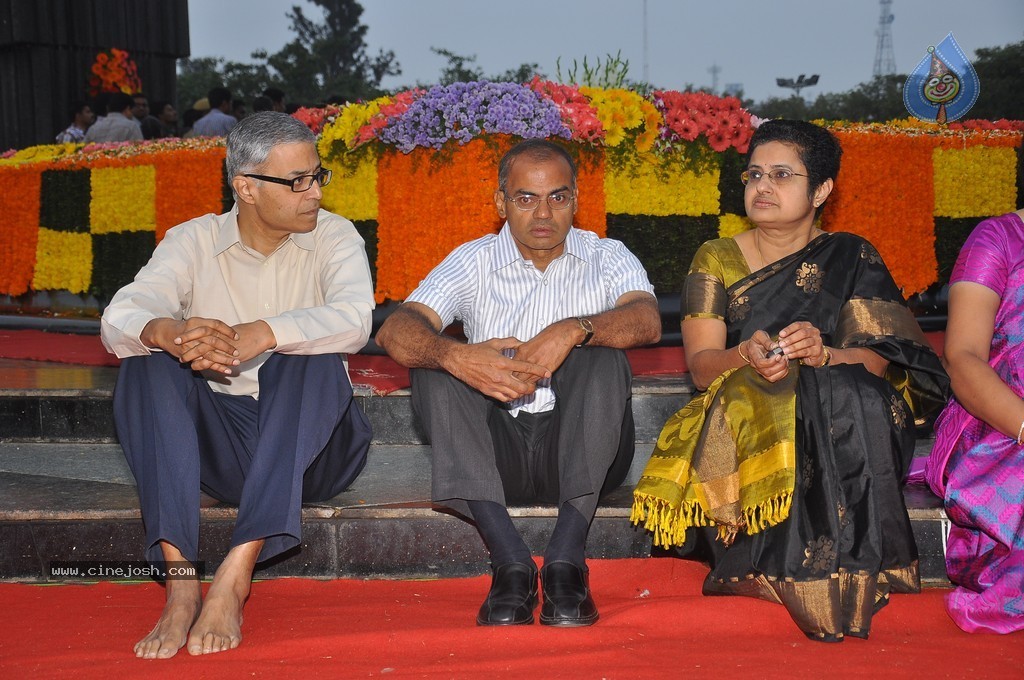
(417,172)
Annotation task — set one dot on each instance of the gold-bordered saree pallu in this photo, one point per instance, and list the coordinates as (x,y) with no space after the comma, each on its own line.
(800,481)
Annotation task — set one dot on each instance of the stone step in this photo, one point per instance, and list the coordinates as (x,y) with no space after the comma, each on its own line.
(75,501)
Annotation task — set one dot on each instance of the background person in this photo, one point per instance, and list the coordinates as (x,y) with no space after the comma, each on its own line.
(118,125)
(81,118)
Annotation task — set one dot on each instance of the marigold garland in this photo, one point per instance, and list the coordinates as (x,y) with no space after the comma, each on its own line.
(978,180)
(427,207)
(22,188)
(353,188)
(885,193)
(654,186)
(123,199)
(729,225)
(188,184)
(63,261)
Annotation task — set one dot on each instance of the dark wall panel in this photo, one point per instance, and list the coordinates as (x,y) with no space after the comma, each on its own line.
(48,46)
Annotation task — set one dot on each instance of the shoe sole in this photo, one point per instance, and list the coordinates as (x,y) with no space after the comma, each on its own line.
(559,622)
(484,622)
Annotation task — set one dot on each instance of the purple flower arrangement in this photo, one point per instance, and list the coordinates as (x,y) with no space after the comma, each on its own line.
(464,111)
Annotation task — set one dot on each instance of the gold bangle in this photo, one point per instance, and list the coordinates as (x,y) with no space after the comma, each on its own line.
(825,359)
(1020,434)
(740,352)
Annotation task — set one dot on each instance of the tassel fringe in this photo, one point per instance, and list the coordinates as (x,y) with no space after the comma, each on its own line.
(669,524)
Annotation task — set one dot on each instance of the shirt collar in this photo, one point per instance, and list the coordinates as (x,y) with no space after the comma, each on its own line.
(229,236)
(506,252)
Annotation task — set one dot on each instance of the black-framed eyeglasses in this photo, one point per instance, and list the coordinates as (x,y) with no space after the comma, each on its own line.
(778,176)
(556,200)
(300,183)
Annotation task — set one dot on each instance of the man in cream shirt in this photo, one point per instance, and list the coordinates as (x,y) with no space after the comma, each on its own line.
(233,380)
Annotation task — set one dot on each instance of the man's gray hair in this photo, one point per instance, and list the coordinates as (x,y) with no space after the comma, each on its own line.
(252,138)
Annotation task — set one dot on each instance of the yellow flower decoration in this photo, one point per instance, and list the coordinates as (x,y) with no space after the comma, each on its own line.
(123,199)
(623,111)
(63,261)
(974,182)
(729,225)
(653,187)
(44,153)
(353,188)
(340,136)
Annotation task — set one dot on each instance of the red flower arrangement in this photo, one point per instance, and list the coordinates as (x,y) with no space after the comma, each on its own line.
(578,113)
(114,71)
(316,118)
(722,120)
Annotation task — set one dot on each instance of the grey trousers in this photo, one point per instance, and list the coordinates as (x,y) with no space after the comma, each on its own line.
(575,453)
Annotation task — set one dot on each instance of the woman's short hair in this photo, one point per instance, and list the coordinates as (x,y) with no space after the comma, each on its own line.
(819,150)
(251,139)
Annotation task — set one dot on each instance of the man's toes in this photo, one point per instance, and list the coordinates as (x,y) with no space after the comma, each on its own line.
(167,650)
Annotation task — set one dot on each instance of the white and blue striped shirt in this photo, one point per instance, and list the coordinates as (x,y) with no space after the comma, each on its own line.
(488,285)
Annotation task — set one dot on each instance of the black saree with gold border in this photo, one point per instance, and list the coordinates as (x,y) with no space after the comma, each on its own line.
(801,479)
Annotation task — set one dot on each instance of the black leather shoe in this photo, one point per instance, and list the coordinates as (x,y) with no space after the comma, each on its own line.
(512,598)
(567,600)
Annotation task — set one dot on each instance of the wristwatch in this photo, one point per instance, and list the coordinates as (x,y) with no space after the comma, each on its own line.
(587,327)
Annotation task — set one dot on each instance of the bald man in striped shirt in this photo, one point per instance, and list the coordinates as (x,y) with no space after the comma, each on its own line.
(535,408)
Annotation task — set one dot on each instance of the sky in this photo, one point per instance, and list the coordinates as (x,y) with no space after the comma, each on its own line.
(749,42)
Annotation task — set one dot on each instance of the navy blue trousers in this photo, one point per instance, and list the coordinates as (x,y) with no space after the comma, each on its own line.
(305,439)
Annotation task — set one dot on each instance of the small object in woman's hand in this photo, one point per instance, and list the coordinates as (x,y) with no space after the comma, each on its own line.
(774,352)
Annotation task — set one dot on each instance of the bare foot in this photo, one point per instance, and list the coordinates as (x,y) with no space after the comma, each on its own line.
(219,626)
(171,630)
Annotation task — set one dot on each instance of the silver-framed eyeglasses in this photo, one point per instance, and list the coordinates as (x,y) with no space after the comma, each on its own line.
(300,183)
(556,200)
(777,176)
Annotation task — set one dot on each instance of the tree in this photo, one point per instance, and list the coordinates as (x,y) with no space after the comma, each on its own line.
(328,61)
(1002,82)
(463,69)
(324,63)
(197,76)
(793,107)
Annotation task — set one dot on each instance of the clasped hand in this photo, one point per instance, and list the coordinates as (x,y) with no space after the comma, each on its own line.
(489,368)
(209,344)
(800,341)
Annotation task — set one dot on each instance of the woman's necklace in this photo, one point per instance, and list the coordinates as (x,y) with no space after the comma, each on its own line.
(757,244)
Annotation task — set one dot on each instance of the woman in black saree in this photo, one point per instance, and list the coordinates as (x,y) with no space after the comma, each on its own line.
(813,374)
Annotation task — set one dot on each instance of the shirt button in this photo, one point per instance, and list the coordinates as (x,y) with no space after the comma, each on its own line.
(266,305)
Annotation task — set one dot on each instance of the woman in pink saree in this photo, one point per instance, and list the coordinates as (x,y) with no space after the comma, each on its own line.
(977,463)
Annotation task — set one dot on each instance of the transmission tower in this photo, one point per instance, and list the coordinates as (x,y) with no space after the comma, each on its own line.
(885,62)
(714,71)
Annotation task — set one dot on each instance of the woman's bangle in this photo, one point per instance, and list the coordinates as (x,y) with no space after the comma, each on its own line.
(739,351)
(1020,434)
(826,357)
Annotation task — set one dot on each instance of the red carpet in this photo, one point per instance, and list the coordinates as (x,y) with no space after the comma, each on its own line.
(654,624)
